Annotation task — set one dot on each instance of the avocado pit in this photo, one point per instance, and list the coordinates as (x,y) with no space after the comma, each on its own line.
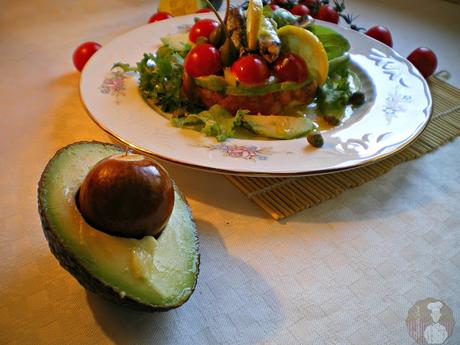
(127,195)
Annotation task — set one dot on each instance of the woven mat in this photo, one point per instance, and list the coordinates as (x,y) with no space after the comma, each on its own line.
(282,197)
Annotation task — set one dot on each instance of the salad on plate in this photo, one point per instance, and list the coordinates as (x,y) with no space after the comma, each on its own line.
(257,72)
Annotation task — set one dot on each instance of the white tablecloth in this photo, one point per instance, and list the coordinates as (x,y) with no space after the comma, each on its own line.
(345,272)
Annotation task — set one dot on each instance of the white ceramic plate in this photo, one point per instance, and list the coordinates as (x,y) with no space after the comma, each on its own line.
(397,109)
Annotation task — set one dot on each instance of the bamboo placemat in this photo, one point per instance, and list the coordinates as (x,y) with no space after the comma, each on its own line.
(282,197)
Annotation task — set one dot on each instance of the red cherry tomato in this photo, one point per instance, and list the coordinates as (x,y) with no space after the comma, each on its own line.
(204,10)
(328,14)
(83,52)
(300,10)
(274,7)
(380,33)
(202,28)
(156,17)
(251,70)
(425,60)
(203,60)
(290,67)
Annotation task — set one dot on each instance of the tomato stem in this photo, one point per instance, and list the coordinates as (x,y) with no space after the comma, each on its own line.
(227,11)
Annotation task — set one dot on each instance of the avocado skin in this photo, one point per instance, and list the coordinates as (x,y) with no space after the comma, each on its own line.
(70,263)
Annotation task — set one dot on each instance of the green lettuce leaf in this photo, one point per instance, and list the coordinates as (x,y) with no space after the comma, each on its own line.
(160,77)
(334,95)
(334,43)
(215,122)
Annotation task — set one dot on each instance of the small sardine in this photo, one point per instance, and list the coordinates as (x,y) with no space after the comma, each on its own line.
(236,26)
(269,42)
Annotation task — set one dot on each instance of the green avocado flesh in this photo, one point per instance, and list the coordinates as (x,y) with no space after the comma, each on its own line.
(279,127)
(218,83)
(157,274)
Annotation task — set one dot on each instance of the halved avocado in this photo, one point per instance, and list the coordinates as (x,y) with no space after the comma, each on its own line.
(154,274)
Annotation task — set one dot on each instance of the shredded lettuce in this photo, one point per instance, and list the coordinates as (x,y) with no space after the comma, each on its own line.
(218,122)
(215,122)
(334,95)
(160,77)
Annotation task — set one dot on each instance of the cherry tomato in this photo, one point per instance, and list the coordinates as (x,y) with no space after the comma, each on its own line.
(274,7)
(290,67)
(251,70)
(300,10)
(425,60)
(203,60)
(156,17)
(204,10)
(202,28)
(380,33)
(328,14)
(83,52)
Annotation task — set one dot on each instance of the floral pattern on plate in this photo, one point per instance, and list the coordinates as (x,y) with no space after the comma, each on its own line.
(114,84)
(253,153)
(395,104)
(390,66)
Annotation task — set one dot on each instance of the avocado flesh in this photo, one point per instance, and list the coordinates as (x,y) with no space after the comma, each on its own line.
(212,82)
(278,126)
(218,83)
(155,273)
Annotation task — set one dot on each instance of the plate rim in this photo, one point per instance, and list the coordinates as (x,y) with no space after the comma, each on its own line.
(366,162)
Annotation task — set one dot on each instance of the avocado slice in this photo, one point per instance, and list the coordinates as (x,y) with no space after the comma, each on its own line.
(265,89)
(278,126)
(211,82)
(153,274)
(219,84)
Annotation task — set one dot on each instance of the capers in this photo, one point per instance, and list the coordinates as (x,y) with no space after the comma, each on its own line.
(217,37)
(357,99)
(228,53)
(220,37)
(315,139)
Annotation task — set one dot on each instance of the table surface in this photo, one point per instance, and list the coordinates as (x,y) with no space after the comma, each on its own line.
(344,272)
